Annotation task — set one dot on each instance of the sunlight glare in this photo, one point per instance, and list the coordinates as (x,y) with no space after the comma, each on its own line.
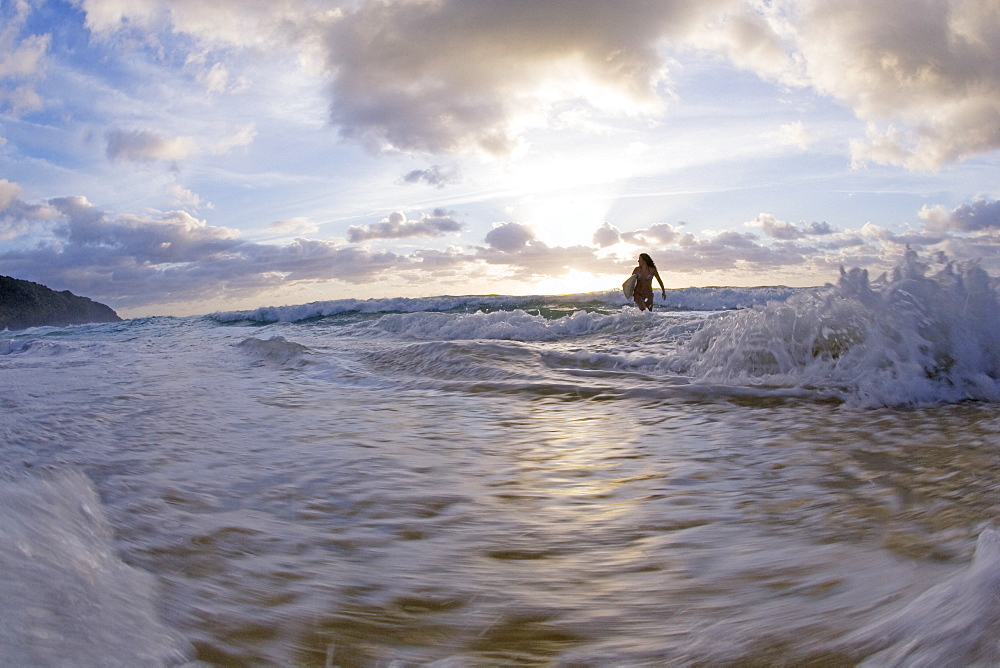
(574,282)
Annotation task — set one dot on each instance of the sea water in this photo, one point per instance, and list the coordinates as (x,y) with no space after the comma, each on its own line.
(741,477)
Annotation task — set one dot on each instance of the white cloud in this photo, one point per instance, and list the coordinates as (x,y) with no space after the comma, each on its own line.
(21,100)
(297,225)
(146,146)
(22,62)
(795,134)
(242,137)
(8,193)
(23,59)
(242,23)
(149,146)
(928,72)
(216,79)
(185,198)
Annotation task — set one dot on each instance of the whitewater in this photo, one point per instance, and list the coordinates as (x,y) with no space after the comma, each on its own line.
(745,476)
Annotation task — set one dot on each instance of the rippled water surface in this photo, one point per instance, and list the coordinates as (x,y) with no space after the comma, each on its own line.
(318,500)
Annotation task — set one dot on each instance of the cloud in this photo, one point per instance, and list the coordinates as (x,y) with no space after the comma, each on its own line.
(146,146)
(434,175)
(795,134)
(17,217)
(24,58)
(173,257)
(786,231)
(8,193)
(607,235)
(242,137)
(474,74)
(296,225)
(175,236)
(182,197)
(925,76)
(130,261)
(149,146)
(22,62)
(21,100)
(455,75)
(655,235)
(216,78)
(514,246)
(252,24)
(396,226)
(979,216)
(509,237)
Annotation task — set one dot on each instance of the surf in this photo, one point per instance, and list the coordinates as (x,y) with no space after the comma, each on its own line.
(928,333)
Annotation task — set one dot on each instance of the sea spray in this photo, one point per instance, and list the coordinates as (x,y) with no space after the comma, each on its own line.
(68,599)
(913,338)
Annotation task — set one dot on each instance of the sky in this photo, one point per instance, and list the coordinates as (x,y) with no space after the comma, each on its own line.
(178,157)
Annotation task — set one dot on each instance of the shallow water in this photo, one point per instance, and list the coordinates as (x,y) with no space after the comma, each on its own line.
(360,491)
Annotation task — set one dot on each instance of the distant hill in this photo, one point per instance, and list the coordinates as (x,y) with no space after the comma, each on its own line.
(25,304)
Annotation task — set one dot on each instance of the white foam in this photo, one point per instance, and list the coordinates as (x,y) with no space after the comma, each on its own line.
(276,349)
(68,600)
(687,299)
(916,338)
(499,325)
(955,623)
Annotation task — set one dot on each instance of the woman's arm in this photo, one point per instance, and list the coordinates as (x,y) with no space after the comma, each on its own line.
(659,280)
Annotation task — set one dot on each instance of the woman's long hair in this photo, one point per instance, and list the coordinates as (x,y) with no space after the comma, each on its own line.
(648,260)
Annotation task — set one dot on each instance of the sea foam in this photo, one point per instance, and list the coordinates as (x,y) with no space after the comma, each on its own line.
(680,299)
(68,600)
(917,337)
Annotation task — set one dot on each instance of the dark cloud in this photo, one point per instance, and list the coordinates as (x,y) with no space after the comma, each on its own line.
(816,228)
(980,215)
(172,237)
(516,247)
(17,217)
(787,231)
(509,237)
(434,175)
(607,235)
(926,77)
(172,257)
(129,261)
(655,235)
(396,226)
(456,74)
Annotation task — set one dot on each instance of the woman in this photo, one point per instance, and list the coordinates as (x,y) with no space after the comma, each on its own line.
(645,273)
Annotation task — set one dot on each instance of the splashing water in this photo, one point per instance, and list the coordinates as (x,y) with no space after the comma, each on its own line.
(917,338)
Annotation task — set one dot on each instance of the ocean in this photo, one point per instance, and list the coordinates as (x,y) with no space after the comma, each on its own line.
(743,477)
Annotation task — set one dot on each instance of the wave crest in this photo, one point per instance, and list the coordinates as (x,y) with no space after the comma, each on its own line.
(915,338)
